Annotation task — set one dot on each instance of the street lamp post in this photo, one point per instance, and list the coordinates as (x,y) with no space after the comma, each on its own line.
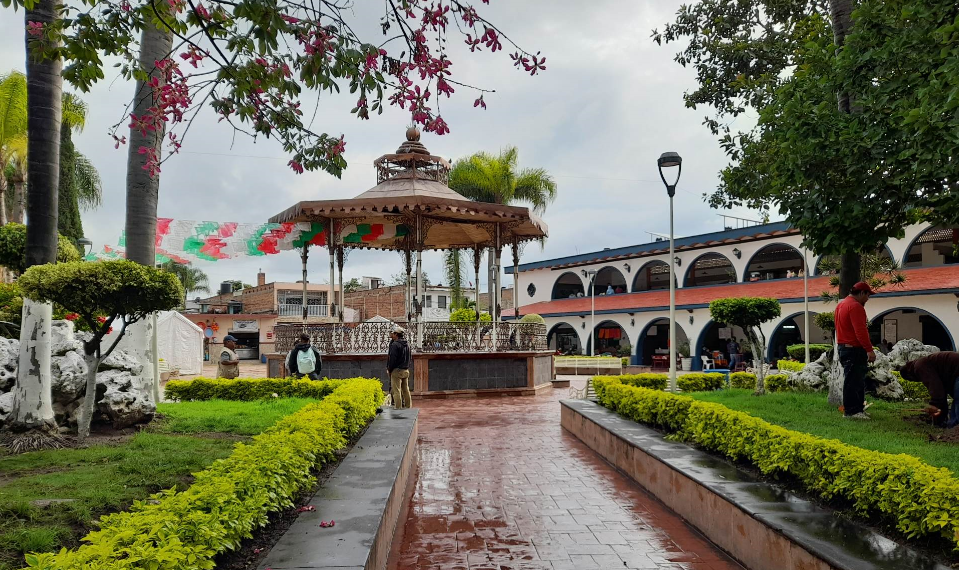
(669,160)
(86,244)
(592,312)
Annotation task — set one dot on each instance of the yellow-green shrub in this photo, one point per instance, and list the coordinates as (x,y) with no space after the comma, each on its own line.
(229,500)
(789,365)
(913,390)
(745,380)
(918,498)
(645,380)
(247,389)
(777,383)
(701,381)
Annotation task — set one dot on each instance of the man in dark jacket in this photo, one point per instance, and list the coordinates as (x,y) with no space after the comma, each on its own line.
(398,367)
(940,373)
(306,364)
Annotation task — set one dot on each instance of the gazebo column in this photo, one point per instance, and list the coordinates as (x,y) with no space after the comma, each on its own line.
(341,299)
(408,258)
(303,256)
(477,259)
(495,283)
(420,289)
(515,279)
(331,246)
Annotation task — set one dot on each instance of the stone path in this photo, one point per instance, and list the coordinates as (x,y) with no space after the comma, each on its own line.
(501,485)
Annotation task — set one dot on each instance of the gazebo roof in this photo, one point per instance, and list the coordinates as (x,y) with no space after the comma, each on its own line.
(413,185)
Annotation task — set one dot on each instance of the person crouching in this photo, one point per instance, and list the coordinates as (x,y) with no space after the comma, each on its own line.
(304,360)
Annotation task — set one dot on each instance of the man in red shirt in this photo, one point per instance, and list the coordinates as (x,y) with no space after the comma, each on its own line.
(855,348)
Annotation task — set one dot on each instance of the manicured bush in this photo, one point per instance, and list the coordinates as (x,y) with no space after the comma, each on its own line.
(701,382)
(625,361)
(744,380)
(798,351)
(646,380)
(469,316)
(230,499)
(913,390)
(790,365)
(918,498)
(246,389)
(778,383)
(530,318)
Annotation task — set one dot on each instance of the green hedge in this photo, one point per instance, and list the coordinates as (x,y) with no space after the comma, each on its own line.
(747,381)
(798,351)
(693,382)
(790,365)
(247,389)
(918,498)
(229,500)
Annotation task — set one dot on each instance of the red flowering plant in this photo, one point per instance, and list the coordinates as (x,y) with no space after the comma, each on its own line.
(251,61)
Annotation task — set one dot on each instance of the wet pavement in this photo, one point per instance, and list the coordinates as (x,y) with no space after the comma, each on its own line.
(501,485)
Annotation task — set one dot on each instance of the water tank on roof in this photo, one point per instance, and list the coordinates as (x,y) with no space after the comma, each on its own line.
(226,288)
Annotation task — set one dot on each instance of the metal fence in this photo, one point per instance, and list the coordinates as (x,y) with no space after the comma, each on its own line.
(374,337)
(293,310)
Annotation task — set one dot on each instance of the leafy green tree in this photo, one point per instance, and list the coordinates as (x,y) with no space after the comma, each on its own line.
(878,270)
(749,313)
(352,285)
(13,244)
(192,279)
(400,279)
(80,185)
(102,294)
(856,126)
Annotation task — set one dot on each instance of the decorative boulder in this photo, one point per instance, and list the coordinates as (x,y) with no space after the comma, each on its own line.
(907,350)
(813,376)
(122,398)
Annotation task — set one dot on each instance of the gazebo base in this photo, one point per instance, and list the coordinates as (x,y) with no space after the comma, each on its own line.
(445,374)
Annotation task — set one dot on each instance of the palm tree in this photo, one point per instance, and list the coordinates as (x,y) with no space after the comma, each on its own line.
(494,179)
(13,125)
(192,278)
(32,395)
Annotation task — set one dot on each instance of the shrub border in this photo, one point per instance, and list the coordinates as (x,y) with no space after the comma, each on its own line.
(228,500)
(917,498)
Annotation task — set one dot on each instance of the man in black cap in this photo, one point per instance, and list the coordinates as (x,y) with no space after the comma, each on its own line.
(855,349)
(940,373)
(228,365)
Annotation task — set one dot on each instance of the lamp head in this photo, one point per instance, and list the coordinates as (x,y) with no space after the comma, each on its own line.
(85,242)
(669,160)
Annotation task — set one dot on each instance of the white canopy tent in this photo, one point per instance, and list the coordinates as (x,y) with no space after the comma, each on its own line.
(180,343)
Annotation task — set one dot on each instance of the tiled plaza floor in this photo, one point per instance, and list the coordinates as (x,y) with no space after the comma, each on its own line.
(501,485)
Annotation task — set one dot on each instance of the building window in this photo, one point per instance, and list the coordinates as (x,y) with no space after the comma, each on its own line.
(429,301)
(441,301)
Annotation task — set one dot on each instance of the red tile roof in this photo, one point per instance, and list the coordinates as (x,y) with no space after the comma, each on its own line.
(929,279)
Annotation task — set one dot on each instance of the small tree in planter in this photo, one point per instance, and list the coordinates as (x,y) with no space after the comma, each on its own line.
(102,294)
(749,313)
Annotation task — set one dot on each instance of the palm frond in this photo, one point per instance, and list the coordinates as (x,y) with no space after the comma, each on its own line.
(74,112)
(86,179)
(536,186)
(13,106)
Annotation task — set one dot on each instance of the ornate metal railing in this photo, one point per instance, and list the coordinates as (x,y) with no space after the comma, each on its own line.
(373,338)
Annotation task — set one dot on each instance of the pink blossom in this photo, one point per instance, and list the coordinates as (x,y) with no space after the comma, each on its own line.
(125,5)
(290,19)
(296,166)
(480,102)
(438,126)
(338,148)
(35,29)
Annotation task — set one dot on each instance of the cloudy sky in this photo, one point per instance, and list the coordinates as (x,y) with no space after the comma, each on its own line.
(608,104)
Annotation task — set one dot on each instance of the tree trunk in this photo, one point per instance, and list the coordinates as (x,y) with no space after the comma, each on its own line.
(850,272)
(142,192)
(758,347)
(32,394)
(3,197)
(33,398)
(85,417)
(142,188)
(19,201)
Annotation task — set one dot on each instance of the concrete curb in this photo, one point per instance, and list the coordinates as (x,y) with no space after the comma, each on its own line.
(757,523)
(364,496)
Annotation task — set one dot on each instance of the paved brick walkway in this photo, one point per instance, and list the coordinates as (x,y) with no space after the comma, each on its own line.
(501,485)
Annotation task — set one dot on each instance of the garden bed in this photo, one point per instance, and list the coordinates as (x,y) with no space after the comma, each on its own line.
(50,499)
(215,509)
(916,500)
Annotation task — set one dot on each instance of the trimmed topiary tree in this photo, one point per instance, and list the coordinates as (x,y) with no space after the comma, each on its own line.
(749,313)
(13,244)
(102,294)
(468,316)
(533,318)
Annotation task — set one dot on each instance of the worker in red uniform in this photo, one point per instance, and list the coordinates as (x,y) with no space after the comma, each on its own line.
(940,373)
(855,349)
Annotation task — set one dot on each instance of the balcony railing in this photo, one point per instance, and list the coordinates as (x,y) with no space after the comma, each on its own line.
(290,310)
(373,338)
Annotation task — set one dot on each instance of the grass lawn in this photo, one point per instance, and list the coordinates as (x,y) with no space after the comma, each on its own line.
(110,476)
(888,431)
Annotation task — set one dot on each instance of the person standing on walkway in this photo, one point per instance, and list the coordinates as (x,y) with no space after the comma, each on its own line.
(398,368)
(304,360)
(855,349)
(732,348)
(940,373)
(228,365)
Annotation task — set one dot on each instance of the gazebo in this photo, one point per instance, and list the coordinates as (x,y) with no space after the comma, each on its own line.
(411,210)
